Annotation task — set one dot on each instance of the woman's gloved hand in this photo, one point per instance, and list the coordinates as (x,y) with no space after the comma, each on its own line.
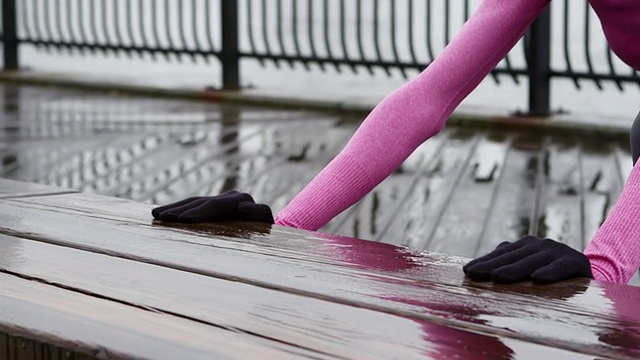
(229,206)
(540,260)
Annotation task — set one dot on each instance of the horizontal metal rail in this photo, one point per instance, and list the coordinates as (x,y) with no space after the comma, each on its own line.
(393,36)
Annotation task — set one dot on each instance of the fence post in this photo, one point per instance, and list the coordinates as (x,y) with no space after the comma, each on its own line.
(10,34)
(540,65)
(229,56)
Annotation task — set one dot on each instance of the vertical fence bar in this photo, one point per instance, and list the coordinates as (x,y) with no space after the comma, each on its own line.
(229,56)
(10,34)
(540,65)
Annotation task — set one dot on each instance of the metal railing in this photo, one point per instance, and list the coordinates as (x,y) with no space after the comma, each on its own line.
(330,35)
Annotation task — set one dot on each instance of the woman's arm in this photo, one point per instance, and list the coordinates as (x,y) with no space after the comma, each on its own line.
(412,114)
(614,251)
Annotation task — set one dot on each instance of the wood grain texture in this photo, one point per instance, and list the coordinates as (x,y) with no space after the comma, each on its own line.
(108,329)
(317,327)
(374,276)
(276,241)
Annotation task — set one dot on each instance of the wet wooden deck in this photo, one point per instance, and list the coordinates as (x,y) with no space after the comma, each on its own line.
(87,276)
(462,193)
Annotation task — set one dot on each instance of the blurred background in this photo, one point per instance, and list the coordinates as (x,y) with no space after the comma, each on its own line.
(332,50)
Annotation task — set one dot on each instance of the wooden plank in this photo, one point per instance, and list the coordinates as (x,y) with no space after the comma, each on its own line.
(15,189)
(223,158)
(561,203)
(346,331)
(297,244)
(601,186)
(465,217)
(40,160)
(439,186)
(293,155)
(104,164)
(516,197)
(173,161)
(107,329)
(372,281)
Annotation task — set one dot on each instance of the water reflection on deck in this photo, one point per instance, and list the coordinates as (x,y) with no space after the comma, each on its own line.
(462,192)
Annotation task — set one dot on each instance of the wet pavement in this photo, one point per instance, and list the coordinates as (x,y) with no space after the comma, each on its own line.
(461,193)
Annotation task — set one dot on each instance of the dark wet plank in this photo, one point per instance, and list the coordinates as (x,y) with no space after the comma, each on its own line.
(107,329)
(319,328)
(369,275)
(278,241)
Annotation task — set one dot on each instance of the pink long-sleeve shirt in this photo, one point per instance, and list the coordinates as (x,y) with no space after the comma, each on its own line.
(419,109)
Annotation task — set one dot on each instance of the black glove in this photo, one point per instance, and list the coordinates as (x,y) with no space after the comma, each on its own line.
(542,261)
(230,206)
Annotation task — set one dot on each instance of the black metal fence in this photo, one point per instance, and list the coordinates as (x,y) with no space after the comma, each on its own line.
(328,35)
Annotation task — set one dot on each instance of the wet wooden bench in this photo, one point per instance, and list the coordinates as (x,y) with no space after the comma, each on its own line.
(88,276)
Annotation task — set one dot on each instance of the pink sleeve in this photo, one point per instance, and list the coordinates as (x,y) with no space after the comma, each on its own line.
(412,114)
(614,252)
(620,21)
